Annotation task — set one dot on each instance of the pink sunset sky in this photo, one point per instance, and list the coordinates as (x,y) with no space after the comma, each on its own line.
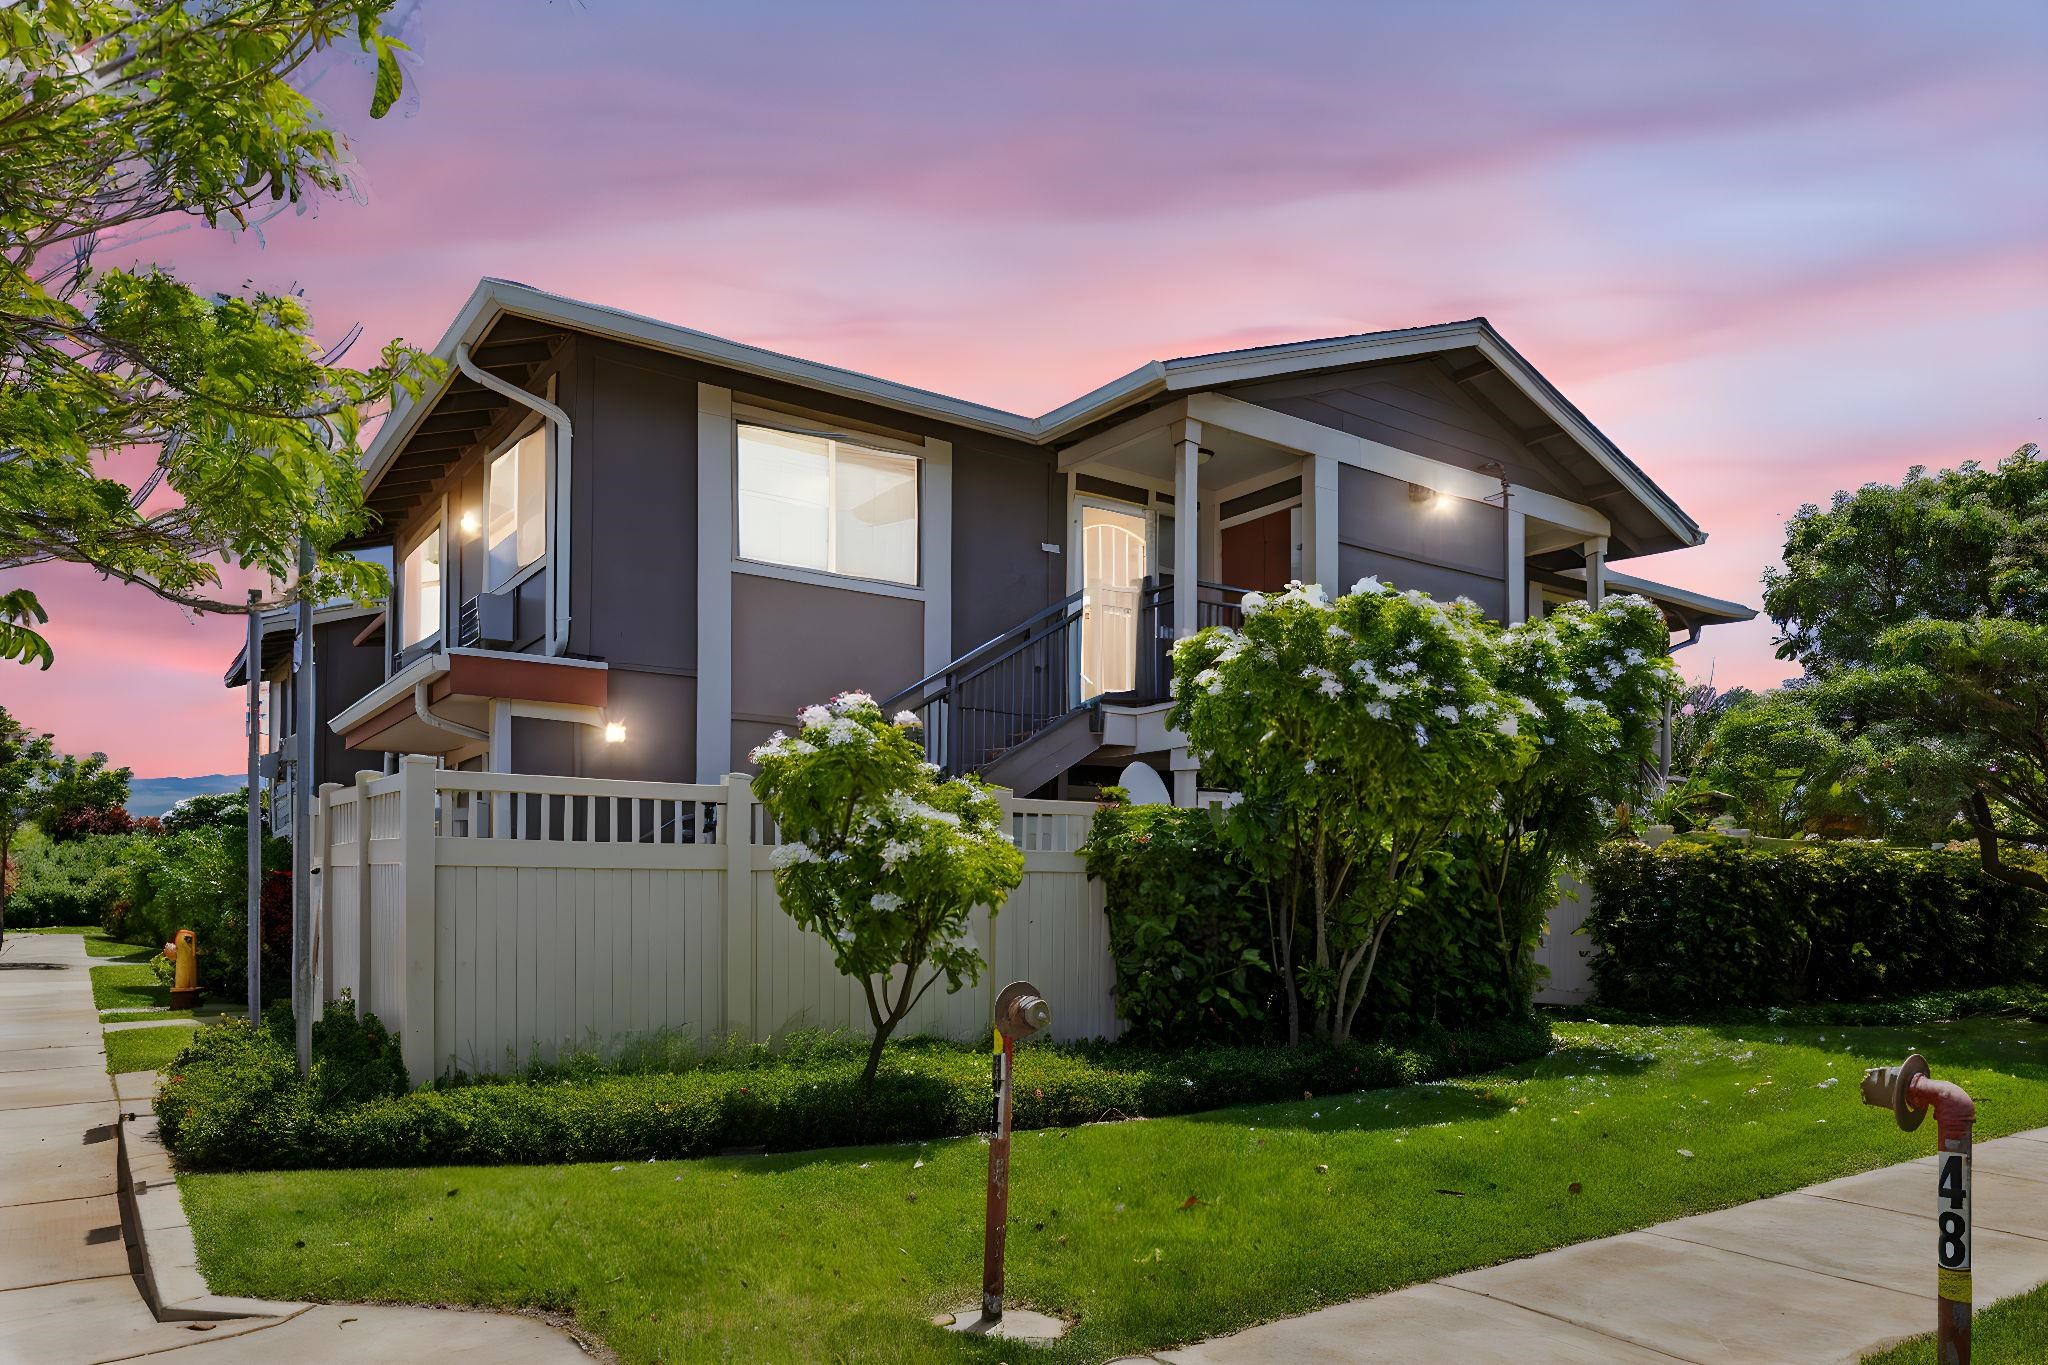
(1772,250)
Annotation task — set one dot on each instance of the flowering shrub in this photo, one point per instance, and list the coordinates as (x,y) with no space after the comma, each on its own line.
(881,856)
(1356,736)
(1593,683)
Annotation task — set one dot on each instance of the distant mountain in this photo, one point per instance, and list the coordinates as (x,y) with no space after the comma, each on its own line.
(155,795)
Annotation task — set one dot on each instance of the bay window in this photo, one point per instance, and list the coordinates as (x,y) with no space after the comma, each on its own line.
(420,586)
(820,503)
(515,509)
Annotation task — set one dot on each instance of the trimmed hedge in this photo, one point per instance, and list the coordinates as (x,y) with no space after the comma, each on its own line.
(1709,923)
(1189,934)
(233,1100)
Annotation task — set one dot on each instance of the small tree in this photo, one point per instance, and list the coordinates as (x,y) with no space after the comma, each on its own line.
(1592,683)
(29,764)
(880,856)
(1357,735)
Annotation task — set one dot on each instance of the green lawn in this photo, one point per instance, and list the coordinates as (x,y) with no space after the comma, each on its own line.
(97,944)
(129,985)
(144,1049)
(2014,1332)
(1145,1234)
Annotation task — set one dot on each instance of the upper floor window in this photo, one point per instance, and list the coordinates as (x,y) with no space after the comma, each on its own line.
(515,505)
(816,502)
(420,586)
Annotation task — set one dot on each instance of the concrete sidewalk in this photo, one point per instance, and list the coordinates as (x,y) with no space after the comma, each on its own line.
(1825,1274)
(68,1285)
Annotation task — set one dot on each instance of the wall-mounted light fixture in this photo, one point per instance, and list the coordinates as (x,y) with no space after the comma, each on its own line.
(1425,496)
(615,732)
(469,523)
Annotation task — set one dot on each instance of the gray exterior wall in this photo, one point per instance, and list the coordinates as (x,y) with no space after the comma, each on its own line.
(346,673)
(795,643)
(1410,405)
(1457,552)
(633,571)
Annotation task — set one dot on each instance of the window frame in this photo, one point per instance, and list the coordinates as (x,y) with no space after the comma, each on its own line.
(438,526)
(920,458)
(547,509)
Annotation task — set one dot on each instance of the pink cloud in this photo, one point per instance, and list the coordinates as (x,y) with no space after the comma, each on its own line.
(1769,253)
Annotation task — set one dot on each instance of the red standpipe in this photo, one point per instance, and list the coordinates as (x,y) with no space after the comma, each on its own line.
(998,1220)
(1955,1117)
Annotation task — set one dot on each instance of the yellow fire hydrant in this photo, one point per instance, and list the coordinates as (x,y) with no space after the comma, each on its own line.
(183,950)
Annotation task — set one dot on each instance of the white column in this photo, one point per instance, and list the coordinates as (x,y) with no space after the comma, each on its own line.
(1186,777)
(1210,560)
(716,458)
(1187,437)
(1517,575)
(1596,570)
(1319,476)
(500,758)
(935,554)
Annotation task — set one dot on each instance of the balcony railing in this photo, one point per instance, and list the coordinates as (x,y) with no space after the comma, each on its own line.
(1216,604)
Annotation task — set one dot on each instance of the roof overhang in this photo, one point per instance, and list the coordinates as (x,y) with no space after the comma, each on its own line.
(459,687)
(494,299)
(279,626)
(1688,609)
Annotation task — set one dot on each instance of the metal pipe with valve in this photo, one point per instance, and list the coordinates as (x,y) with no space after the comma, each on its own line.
(1909,1092)
(1020,1012)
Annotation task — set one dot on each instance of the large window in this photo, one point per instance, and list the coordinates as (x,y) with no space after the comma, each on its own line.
(813,502)
(515,503)
(420,584)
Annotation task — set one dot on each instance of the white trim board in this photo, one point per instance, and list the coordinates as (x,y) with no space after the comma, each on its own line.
(494,298)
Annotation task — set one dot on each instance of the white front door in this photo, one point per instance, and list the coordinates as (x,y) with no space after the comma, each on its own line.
(1113,565)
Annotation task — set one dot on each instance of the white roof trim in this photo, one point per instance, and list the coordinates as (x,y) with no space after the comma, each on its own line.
(493,298)
(1664,592)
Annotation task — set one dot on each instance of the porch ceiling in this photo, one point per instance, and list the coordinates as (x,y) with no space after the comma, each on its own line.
(1238,459)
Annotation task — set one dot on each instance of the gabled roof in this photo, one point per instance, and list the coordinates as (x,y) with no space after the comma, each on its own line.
(494,299)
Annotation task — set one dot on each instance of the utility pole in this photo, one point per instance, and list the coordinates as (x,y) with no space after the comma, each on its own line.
(304,699)
(251,659)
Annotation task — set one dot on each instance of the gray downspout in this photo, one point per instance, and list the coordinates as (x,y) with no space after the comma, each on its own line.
(558,523)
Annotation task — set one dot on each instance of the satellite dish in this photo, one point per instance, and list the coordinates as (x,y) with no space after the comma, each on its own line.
(1146,786)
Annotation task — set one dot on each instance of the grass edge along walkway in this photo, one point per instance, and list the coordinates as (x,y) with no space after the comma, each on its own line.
(2012,1331)
(1146,1234)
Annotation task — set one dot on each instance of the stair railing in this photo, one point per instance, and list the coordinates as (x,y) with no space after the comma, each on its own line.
(1002,692)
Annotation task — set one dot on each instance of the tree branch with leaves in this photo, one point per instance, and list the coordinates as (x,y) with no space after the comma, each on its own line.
(119,116)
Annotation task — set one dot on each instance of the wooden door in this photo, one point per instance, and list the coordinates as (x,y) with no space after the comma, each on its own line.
(1260,553)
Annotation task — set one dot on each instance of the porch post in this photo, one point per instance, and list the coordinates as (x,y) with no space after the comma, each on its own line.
(1319,522)
(1187,529)
(717,458)
(1596,570)
(1516,578)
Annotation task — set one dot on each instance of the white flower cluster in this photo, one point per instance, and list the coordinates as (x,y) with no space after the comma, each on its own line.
(792,853)
(780,745)
(1326,682)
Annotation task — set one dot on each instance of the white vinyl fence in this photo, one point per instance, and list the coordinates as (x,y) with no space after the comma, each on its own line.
(489,918)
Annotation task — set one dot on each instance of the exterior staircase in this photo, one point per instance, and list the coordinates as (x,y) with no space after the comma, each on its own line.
(1014,709)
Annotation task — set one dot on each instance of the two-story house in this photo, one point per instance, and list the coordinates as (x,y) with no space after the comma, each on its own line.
(624,548)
